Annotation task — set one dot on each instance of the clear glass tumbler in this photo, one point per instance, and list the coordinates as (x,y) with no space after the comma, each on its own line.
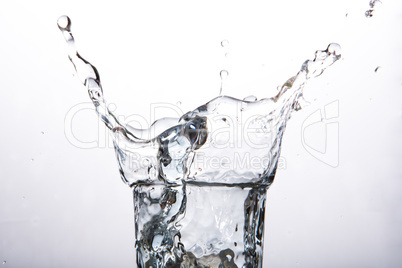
(199,225)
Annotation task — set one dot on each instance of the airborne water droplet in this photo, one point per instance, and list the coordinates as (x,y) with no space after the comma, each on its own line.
(64,23)
(225,43)
(224,74)
(373,6)
(373,3)
(369,13)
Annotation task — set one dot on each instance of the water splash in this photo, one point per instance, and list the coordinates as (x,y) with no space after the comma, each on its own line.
(89,77)
(178,165)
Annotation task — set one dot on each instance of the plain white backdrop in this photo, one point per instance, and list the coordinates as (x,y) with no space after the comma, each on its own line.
(65,206)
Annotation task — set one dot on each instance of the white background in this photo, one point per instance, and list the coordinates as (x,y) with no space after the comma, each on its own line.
(64,206)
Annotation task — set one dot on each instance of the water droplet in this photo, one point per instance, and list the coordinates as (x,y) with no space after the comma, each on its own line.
(373,3)
(235,244)
(225,43)
(224,74)
(377,68)
(4,262)
(369,13)
(334,48)
(42,132)
(250,98)
(64,23)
